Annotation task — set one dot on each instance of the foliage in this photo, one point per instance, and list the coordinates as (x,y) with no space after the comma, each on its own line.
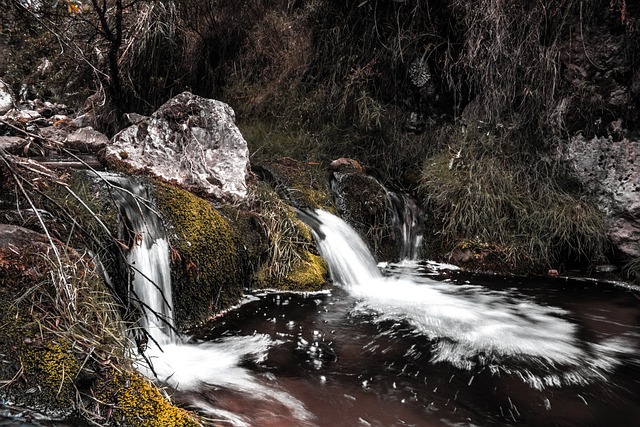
(632,270)
(478,190)
(289,262)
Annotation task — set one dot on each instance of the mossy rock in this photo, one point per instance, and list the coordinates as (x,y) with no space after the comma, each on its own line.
(363,203)
(291,261)
(308,274)
(208,269)
(138,403)
(62,339)
(302,184)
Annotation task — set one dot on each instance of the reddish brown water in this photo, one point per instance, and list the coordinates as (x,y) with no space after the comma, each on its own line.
(349,365)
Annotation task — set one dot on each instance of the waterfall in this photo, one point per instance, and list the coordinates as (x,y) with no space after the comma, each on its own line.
(348,256)
(469,324)
(168,358)
(407,221)
(148,257)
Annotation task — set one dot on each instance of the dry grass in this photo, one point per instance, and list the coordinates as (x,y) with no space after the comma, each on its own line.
(480,192)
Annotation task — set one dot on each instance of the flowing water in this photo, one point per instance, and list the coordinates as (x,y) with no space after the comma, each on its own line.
(415,344)
(412,343)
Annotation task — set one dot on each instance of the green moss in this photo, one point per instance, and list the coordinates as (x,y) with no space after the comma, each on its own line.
(288,262)
(307,274)
(207,268)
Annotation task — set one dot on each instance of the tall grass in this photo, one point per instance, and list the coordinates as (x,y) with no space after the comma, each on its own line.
(476,189)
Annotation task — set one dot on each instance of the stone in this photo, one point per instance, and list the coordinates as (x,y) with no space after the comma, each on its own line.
(610,171)
(344,164)
(86,140)
(363,203)
(12,144)
(190,140)
(21,116)
(6,98)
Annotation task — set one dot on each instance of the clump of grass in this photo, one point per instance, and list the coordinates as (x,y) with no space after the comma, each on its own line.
(289,262)
(476,189)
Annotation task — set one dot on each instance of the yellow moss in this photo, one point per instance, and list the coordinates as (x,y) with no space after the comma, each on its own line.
(309,273)
(208,275)
(58,367)
(289,265)
(141,404)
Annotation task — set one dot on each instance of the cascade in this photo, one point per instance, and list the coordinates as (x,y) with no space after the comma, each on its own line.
(169,358)
(471,324)
(406,217)
(148,257)
(407,221)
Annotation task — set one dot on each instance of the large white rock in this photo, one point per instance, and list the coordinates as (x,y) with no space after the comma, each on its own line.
(190,140)
(610,169)
(6,98)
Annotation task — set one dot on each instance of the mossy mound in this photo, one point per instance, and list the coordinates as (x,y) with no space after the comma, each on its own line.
(208,271)
(290,261)
(62,338)
(302,184)
(140,404)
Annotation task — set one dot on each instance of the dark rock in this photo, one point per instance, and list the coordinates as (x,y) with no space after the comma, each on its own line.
(362,201)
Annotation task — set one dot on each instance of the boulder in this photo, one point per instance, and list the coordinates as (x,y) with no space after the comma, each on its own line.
(364,203)
(189,140)
(6,98)
(610,170)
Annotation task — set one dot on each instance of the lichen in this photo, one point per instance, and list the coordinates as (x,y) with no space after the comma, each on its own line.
(139,403)
(207,271)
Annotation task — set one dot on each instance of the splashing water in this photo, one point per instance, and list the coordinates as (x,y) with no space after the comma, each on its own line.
(473,325)
(167,357)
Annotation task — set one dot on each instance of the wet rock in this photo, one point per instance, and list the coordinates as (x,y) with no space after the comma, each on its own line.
(610,170)
(190,140)
(362,201)
(6,98)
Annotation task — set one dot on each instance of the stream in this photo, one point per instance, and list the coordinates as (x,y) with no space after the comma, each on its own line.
(414,343)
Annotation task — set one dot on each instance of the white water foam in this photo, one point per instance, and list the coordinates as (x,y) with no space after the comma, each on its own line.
(468,324)
(166,359)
